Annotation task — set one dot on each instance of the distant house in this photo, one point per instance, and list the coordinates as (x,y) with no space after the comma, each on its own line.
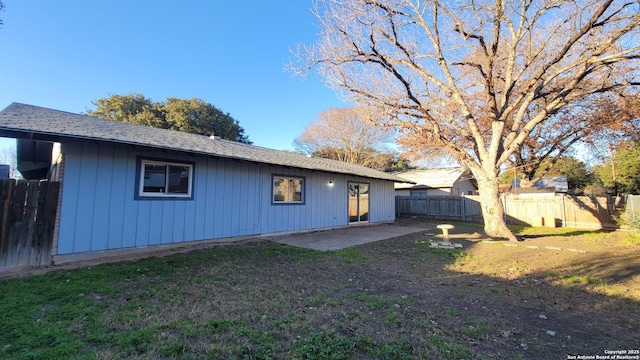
(558,183)
(550,185)
(446,181)
(127,186)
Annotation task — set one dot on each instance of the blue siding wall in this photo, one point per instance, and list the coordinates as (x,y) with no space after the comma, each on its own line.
(231,198)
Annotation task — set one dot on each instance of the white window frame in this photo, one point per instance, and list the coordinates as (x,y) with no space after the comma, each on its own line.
(287,178)
(165,194)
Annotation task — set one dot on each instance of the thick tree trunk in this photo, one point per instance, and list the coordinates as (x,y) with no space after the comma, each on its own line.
(492,209)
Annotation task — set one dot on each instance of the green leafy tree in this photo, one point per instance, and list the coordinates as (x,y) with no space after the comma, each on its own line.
(131,108)
(578,175)
(399,162)
(188,115)
(627,171)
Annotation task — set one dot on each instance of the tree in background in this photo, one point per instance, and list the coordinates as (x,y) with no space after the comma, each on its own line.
(578,175)
(618,145)
(625,128)
(627,171)
(370,157)
(199,117)
(475,79)
(1,9)
(399,163)
(188,115)
(131,108)
(350,135)
(596,125)
(9,157)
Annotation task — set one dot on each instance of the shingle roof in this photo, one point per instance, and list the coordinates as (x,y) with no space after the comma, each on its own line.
(432,178)
(560,183)
(550,183)
(54,125)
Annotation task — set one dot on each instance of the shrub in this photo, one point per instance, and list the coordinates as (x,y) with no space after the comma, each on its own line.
(633,220)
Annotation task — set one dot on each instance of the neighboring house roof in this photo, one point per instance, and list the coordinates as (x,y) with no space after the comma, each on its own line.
(432,178)
(560,183)
(551,184)
(38,123)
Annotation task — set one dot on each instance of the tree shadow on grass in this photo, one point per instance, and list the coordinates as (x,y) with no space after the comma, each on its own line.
(395,298)
(579,307)
(564,232)
(604,270)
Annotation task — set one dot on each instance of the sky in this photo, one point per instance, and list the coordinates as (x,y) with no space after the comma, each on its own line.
(65,54)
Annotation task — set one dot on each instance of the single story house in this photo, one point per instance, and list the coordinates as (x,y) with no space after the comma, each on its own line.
(445,181)
(126,186)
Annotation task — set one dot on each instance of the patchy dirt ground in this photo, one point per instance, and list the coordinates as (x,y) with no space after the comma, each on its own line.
(556,293)
(553,294)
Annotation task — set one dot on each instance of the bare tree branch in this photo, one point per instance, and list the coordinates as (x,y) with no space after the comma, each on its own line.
(477,79)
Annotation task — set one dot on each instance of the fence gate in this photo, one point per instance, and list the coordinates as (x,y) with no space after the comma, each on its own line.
(27,220)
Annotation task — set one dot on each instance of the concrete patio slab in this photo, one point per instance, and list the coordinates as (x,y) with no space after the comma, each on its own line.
(336,239)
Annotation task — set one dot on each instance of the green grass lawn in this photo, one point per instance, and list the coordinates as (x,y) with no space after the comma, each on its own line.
(395,299)
(170,308)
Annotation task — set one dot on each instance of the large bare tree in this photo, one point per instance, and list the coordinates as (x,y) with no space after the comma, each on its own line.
(1,8)
(348,134)
(475,78)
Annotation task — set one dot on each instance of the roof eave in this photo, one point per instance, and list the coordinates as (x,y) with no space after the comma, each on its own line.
(56,137)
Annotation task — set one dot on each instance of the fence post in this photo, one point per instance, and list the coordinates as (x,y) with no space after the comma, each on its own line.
(630,209)
(464,208)
(564,212)
(7,192)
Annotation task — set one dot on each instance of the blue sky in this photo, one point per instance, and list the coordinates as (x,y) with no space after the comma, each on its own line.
(65,54)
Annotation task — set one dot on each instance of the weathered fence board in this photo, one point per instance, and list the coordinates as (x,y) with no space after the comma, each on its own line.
(568,211)
(633,203)
(632,210)
(443,207)
(27,222)
(584,211)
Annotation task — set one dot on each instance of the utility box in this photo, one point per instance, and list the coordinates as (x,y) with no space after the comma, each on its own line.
(549,222)
(537,221)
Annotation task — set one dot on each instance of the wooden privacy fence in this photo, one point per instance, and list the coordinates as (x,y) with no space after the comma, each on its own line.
(440,207)
(27,219)
(567,211)
(633,210)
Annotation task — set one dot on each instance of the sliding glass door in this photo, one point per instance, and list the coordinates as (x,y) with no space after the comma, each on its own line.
(358,202)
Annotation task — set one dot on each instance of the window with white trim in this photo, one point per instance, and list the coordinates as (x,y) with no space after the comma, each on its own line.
(288,189)
(165,179)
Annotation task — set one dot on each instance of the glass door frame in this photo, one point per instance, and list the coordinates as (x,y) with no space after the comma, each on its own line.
(361,213)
